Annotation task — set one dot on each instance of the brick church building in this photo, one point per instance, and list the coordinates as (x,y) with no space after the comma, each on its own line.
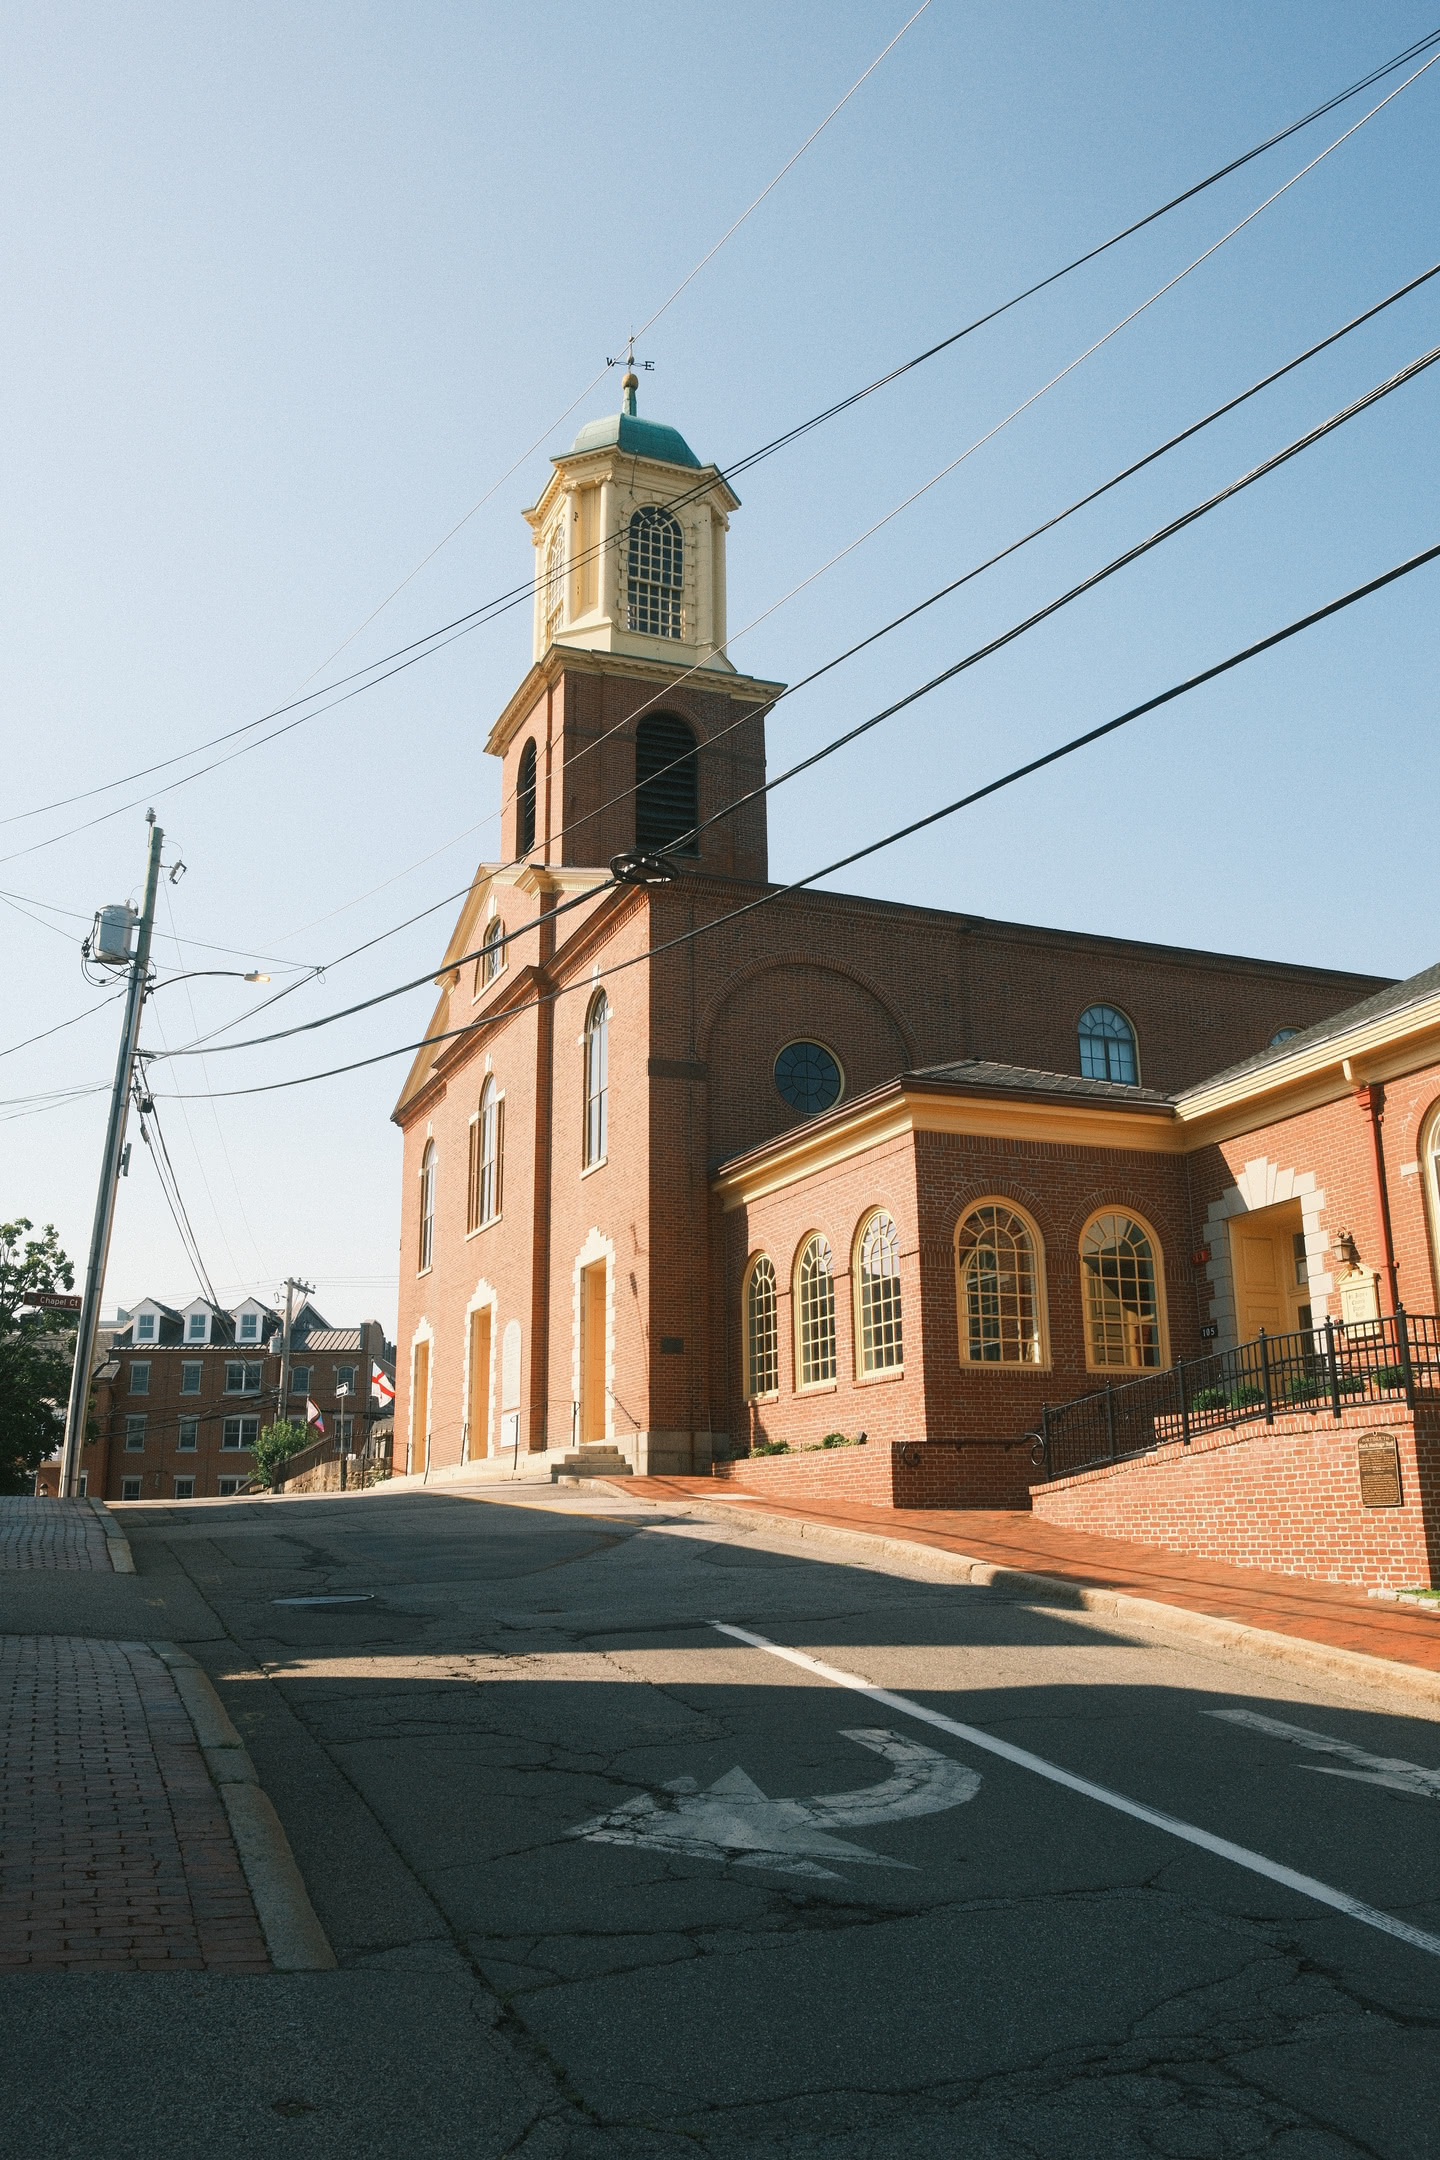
(691,1176)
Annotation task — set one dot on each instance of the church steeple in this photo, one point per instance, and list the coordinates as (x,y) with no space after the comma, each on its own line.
(630,544)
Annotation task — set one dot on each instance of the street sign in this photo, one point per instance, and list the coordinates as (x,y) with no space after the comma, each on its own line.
(52,1301)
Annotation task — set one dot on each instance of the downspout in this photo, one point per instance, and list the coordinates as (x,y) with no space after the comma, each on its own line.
(1371,1098)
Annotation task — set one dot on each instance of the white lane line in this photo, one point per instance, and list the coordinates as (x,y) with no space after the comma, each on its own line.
(1391,1770)
(1240,1855)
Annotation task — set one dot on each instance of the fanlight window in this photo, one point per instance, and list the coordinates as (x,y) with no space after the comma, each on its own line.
(999,1288)
(525,801)
(492,952)
(427,1206)
(762,1331)
(555,579)
(485,1156)
(1122,1305)
(667,785)
(655,572)
(882,1346)
(1107,1046)
(815,1312)
(597,1079)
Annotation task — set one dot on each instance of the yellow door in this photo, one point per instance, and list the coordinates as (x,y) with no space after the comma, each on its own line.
(479,1406)
(592,1352)
(1267,1251)
(420,1409)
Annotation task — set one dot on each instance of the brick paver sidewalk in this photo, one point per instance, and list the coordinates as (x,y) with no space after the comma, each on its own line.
(1326,1613)
(115,1849)
(51,1534)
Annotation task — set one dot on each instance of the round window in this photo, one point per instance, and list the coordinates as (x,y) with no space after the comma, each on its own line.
(808,1077)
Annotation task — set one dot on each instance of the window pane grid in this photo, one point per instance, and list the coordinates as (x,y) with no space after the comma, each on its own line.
(817,1313)
(881,1342)
(1000,1292)
(1107,1046)
(655,573)
(597,1080)
(1121,1301)
(762,1331)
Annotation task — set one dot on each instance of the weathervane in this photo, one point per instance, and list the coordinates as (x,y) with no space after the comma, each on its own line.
(630,381)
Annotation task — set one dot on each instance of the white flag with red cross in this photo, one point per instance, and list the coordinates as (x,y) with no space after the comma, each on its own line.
(381,1384)
(312,1415)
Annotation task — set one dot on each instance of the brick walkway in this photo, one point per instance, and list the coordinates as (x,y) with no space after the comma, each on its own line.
(51,1534)
(115,1850)
(1327,1613)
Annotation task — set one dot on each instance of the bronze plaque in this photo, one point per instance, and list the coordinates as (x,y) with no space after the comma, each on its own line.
(1379,1470)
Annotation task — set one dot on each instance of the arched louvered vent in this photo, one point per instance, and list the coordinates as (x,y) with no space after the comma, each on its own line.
(525,802)
(667,785)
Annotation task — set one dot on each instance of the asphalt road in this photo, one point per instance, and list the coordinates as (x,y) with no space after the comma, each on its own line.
(605,1879)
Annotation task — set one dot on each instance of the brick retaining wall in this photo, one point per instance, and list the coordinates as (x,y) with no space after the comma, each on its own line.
(1284,1497)
(900,1474)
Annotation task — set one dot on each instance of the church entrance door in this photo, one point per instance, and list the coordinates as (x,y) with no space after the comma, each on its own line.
(420,1409)
(592,1352)
(477,1409)
(1267,1251)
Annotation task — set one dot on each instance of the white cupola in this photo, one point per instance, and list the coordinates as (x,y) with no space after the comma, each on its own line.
(630,545)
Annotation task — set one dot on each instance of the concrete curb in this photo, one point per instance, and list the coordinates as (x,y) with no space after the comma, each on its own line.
(117,1544)
(1358,1665)
(293,1935)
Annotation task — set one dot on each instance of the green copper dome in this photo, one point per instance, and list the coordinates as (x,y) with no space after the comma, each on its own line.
(641,438)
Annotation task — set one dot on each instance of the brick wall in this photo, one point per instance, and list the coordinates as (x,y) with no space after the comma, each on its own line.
(891,1474)
(1284,1497)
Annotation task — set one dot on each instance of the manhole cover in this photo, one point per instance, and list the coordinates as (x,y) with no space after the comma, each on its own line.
(351,1597)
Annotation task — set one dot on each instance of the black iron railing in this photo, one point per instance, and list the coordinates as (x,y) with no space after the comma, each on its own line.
(1327,1369)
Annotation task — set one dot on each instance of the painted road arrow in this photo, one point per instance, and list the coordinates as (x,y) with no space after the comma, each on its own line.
(735,1821)
(1391,1770)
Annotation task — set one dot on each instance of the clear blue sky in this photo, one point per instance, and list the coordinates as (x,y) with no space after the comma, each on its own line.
(287,291)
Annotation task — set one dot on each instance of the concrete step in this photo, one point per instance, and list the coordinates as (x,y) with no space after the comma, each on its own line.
(601,1462)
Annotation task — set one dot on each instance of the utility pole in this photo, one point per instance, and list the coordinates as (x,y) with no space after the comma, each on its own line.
(79,1406)
(292,1284)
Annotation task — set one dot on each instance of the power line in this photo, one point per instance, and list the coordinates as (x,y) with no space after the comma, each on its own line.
(713,742)
(971,659)
(61,1025)
(874,847)
(744,464)
(648,324)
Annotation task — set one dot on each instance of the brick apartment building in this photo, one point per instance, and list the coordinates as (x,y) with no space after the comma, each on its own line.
(681,1192)
(182,1392)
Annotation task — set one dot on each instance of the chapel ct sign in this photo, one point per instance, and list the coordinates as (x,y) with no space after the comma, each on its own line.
(53,1301)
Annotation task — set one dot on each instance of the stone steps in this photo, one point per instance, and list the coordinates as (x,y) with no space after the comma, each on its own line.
(599,1462)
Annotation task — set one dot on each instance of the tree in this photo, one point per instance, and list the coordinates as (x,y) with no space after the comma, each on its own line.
(276,1444)
(36,1354)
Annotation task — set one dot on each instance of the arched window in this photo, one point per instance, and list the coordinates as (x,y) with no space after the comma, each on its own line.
(762,1330)
(427,1206)
(486,1141)
(998,1280)
(1107,1046)
(882,1347)
(667,784)
(815,1312)
(525,801)
(555,579)
(492,952)
(1283,1035)
(655,572)
(597,1079)
(1122,1293)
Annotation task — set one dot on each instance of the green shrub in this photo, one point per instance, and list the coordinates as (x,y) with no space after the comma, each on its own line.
(1210,1398)
(1389,1376)
(771,1447)
(1244,1398)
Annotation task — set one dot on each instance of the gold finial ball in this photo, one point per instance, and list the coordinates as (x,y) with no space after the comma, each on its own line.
(629,381)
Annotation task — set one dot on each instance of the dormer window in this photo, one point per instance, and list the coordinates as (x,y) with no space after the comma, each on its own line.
(145,1327)
(655,572)
(197,1327)
(249,1327)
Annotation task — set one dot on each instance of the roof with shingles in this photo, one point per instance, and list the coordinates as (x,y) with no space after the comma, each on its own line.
(1394,999)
